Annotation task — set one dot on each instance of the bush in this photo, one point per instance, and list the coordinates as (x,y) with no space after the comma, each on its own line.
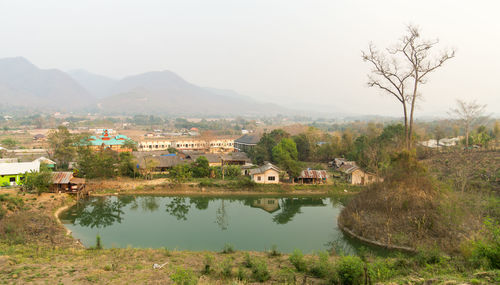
(98,244)
(486,252)
(184,277)
(260,272)
(228,248)
(209,260)
(248,261)
(226,267)
(241,275)
(424,257)
(350,270)
(321,267)
(297,260)
(286,276)
(274,251)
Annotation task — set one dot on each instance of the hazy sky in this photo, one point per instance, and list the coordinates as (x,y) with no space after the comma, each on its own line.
(274,50)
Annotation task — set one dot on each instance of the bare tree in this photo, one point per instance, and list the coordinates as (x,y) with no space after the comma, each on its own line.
(399,71)
(469,114)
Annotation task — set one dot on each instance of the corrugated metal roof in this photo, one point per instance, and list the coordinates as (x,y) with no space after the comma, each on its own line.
(316,174)
(19,167)
(59,177)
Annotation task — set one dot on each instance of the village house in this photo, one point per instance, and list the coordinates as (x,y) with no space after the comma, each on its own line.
(266,174)
(312,177)
(48,162)
(63,182)
(12,174)
(246,142)
(356,176)
(107,141)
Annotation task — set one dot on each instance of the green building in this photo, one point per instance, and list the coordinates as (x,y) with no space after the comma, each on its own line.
(12,174)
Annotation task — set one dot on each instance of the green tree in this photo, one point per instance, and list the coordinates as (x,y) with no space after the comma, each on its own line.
(200,167)
(180,173)
(286,155)
(62,146)
(126,165)
(303,147)
(38,181)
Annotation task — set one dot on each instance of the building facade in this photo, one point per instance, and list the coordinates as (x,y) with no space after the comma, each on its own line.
(193,144)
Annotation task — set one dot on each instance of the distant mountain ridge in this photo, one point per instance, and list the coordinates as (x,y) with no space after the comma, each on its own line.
(23,84)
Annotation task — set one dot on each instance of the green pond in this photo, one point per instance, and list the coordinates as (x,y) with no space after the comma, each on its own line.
(208,223)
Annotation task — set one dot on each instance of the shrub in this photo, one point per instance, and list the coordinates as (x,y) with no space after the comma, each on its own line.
(241,275)
(228,248)
(486,252)
(350,270)
(286,276)
(424,257)
(226,267)
(274,251)
(98,244)
(321,267)
(209,260)
(260,272)
(297,260)
(184,277)
(248,261)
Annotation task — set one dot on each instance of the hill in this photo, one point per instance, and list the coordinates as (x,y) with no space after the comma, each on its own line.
(97,85)
(164,92)
(24,84)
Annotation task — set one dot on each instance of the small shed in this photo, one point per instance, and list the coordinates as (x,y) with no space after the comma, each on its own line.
(312,177)
(63,181)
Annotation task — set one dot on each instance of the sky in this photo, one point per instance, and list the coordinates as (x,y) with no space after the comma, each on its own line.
(297,53)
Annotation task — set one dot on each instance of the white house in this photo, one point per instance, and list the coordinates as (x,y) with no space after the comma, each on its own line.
(266,174)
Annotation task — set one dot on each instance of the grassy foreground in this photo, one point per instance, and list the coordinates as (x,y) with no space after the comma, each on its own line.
(34,248)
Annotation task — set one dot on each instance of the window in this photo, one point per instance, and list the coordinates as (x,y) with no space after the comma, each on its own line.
(258,178)
(12,179)
(271,178)
(270,202)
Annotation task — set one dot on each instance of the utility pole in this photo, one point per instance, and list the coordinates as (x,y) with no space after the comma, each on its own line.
(222,167)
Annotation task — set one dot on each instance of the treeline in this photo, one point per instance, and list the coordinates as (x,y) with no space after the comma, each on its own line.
(202,169)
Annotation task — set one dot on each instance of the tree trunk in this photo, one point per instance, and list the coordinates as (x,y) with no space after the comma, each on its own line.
(413,99)
(406,125)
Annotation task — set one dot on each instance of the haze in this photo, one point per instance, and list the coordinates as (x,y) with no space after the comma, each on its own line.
(289,52)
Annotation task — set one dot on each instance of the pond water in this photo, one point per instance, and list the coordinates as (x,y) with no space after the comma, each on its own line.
(208,223)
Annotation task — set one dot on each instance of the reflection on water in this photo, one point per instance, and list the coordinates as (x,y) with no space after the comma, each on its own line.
(206,223)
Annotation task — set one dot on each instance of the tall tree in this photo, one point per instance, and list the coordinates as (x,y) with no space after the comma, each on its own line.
(468,113)
(62,146)
(399,71)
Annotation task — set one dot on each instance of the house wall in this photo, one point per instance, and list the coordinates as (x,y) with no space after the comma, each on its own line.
(6,179)
(264,177)
(359,177)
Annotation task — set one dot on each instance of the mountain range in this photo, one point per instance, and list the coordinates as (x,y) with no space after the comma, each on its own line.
(22,84)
